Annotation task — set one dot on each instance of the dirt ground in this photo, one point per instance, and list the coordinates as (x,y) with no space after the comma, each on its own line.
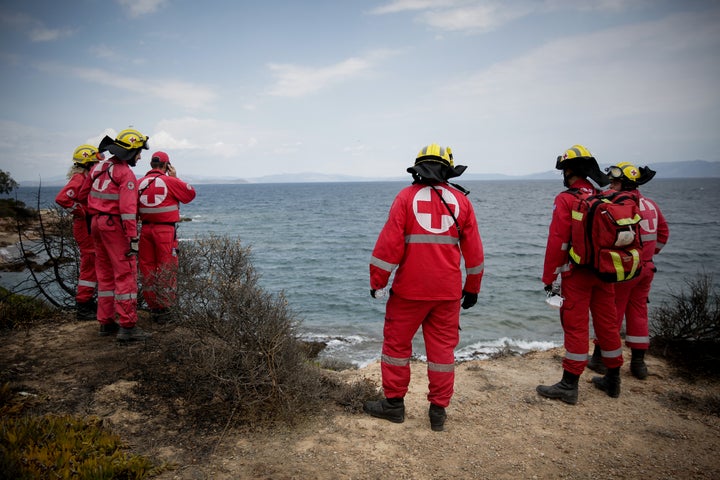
(497,426)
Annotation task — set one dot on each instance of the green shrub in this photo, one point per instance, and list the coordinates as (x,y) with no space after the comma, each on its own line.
(232,352)
(51,447)
(686,329)
(22,311)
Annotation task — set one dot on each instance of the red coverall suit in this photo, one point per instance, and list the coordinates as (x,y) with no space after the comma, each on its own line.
(631,298)
(420,238)
(159,196)
(111,192)
(68,199)
(583,291)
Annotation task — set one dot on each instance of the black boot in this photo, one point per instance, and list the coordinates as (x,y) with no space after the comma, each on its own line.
(85,310)
(437,418)
(637,364)
(392,409)
(610,383)
(565,390)
(131,334)
(595,361)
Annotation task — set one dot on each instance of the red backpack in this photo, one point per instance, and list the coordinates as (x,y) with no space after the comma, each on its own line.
(606,235)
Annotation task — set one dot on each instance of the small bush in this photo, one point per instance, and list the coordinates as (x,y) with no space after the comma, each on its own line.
(686,330)
(22,311)
(52,447)
(235,352)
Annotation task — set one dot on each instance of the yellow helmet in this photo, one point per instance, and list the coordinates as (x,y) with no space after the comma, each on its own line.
(131,139)
(85,154)
(575,152)
(624,171)
(435,153)
(126,146)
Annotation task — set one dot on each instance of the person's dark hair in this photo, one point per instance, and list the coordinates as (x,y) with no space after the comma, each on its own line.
(155,162)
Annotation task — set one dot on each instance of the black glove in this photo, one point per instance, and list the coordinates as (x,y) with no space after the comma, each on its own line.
(133,247)
(548,288)
(468,299)
(372,293)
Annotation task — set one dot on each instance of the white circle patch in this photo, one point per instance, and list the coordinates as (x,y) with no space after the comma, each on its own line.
(431,213)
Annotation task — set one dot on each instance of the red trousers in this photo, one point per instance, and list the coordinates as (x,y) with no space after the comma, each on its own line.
(158,264)
(116,272)
(440,321)
(87,279)
(631,299)
(586,294)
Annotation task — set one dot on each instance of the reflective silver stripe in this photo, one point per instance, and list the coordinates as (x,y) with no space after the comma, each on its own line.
(475,270)
(171,208)
(85,283)
(659,245)
(398,362)
(562,268)
(128,216)
(106,196)
(435,239)
(578,357)
(564,247)
(106,293)
(631,339)
(648,237)
(381,264)
(441,367)
(612,354)
(126,296)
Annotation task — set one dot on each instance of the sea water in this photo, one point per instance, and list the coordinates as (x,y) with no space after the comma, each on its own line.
(313,241)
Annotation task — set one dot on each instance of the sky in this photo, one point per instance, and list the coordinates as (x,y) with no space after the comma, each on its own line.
(246,89)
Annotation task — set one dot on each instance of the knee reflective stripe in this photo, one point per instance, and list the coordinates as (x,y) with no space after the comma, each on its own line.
(126,296)
(631,339)
(106,293)
(612,353)
(85,283)
(441,367)
(398,362)
(578,357)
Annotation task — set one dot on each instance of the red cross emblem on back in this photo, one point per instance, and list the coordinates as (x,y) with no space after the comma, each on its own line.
(154,191)
(430,211)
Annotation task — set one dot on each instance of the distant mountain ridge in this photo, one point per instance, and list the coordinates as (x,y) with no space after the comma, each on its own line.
(680,169)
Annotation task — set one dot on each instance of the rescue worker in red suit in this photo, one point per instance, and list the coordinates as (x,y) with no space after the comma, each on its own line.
(582,290)
(631,297)
(111,192)
(431,225)
(160,194)
(84,157)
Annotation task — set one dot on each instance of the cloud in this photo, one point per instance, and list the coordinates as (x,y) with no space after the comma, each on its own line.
(137,8)
(667,66)
(214,138)
(482,16)
(185,94)
(35,30)
(298,80)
